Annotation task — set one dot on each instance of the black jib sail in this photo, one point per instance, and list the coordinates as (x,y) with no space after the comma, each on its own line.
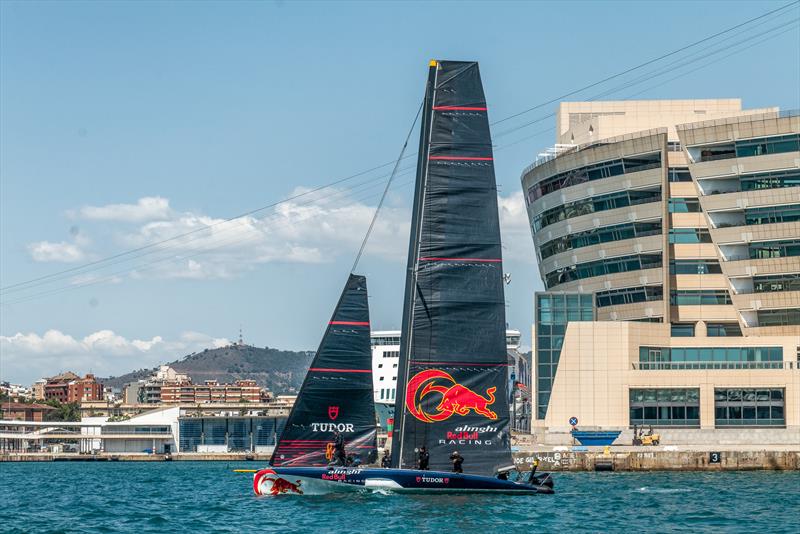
(453,379)
(337,392)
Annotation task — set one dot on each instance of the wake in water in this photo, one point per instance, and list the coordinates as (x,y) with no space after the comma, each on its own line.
(648,489)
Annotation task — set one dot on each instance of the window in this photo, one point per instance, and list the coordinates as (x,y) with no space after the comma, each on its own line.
(715,152)
(674,146)
(553,312)
(665,407)
(682,330)
(596,236)
(689,235)
(735,407)
(723,330)
(383,393)
(772,214)
(380,379)
(628,295)
(779,282)
(602,267)
(596,171)
(774,249)
(595,204)
(380,365)
(701,297)
(684,205)
(768,145)
(679,174)
(664,358)
(770,180)
(694,267)
(783,317)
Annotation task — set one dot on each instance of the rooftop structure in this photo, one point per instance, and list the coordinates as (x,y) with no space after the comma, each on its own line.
(684,215)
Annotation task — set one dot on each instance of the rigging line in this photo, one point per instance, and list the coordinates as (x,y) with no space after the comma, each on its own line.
(653,74)
(229,219)
(111,277)
(711,62)
(649,62)
(657,73)
(166,240)
(386,189)
(196,237)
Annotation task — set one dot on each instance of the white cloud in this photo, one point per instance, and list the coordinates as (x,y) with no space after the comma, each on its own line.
(27,357)
(145,209)
(64,251)
(515,229)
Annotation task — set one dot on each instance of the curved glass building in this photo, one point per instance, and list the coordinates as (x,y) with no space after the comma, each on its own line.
(678,222)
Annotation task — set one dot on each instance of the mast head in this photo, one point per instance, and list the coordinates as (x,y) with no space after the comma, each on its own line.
(433,63)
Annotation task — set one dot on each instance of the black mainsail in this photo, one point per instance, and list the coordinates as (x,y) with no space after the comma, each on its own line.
(453,382)
(337,392)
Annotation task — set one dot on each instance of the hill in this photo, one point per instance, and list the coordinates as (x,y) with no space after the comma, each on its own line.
(282,371)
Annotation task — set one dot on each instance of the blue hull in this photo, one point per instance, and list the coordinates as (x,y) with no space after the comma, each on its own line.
(320,480)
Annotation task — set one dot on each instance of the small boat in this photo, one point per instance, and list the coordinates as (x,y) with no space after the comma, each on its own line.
(453,367)
(596,437)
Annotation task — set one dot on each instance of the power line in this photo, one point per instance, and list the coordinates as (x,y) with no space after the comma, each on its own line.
(129,254)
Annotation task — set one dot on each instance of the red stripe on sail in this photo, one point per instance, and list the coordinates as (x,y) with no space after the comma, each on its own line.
(351,323)
(493,260)
(461,158)
(324,370)
(457,108)
(468,364)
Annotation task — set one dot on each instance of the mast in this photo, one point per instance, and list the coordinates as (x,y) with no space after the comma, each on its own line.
(336,394)
(411,268)
(453,373)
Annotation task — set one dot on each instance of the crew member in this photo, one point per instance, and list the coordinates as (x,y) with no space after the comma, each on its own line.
(339,455)
(386,460)
(424,459)
(457,460)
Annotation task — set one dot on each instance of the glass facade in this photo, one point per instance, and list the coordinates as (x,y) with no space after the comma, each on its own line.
(737,407)
(629,295)
(682,329)
(694,267)
(602,267)
(665,358)
(665,407)
(758,181)
(772,214)
(723,330)
(595,204)
(703,297)
(679,174)
(776,282)
(236,433)
(596,236)
(774,249)
(553,312)
(596,171)
(684,205)
(751,147)
(689,235)
(782,317)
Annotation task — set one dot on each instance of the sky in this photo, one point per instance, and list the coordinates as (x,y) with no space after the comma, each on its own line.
(123,124)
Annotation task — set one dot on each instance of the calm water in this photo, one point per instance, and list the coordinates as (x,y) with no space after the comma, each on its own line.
(207,496)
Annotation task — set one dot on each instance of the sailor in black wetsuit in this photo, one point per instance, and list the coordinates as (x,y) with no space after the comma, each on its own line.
(386,460)
(457,460)
(339,456)
(424,459)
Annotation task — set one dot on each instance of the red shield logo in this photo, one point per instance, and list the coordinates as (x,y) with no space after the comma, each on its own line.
(419,479)
(333,412)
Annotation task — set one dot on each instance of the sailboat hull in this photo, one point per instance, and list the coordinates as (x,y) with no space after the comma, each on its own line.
(324,480)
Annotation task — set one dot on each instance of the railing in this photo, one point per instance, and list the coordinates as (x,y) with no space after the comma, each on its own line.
(673,366)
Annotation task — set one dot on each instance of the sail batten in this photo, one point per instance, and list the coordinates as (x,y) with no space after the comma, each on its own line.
(453,380)
(336,394)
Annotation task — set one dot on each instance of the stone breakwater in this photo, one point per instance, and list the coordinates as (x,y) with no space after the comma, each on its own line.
(590,459)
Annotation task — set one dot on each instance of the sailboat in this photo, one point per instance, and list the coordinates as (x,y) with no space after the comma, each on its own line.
(453,374)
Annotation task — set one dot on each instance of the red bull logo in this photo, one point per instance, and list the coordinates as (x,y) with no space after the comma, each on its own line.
(455,398)
(268,482)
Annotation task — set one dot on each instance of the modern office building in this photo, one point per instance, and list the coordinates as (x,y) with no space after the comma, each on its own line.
(667,235)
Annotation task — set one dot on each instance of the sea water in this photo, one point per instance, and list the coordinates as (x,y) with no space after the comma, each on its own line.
(210,497)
